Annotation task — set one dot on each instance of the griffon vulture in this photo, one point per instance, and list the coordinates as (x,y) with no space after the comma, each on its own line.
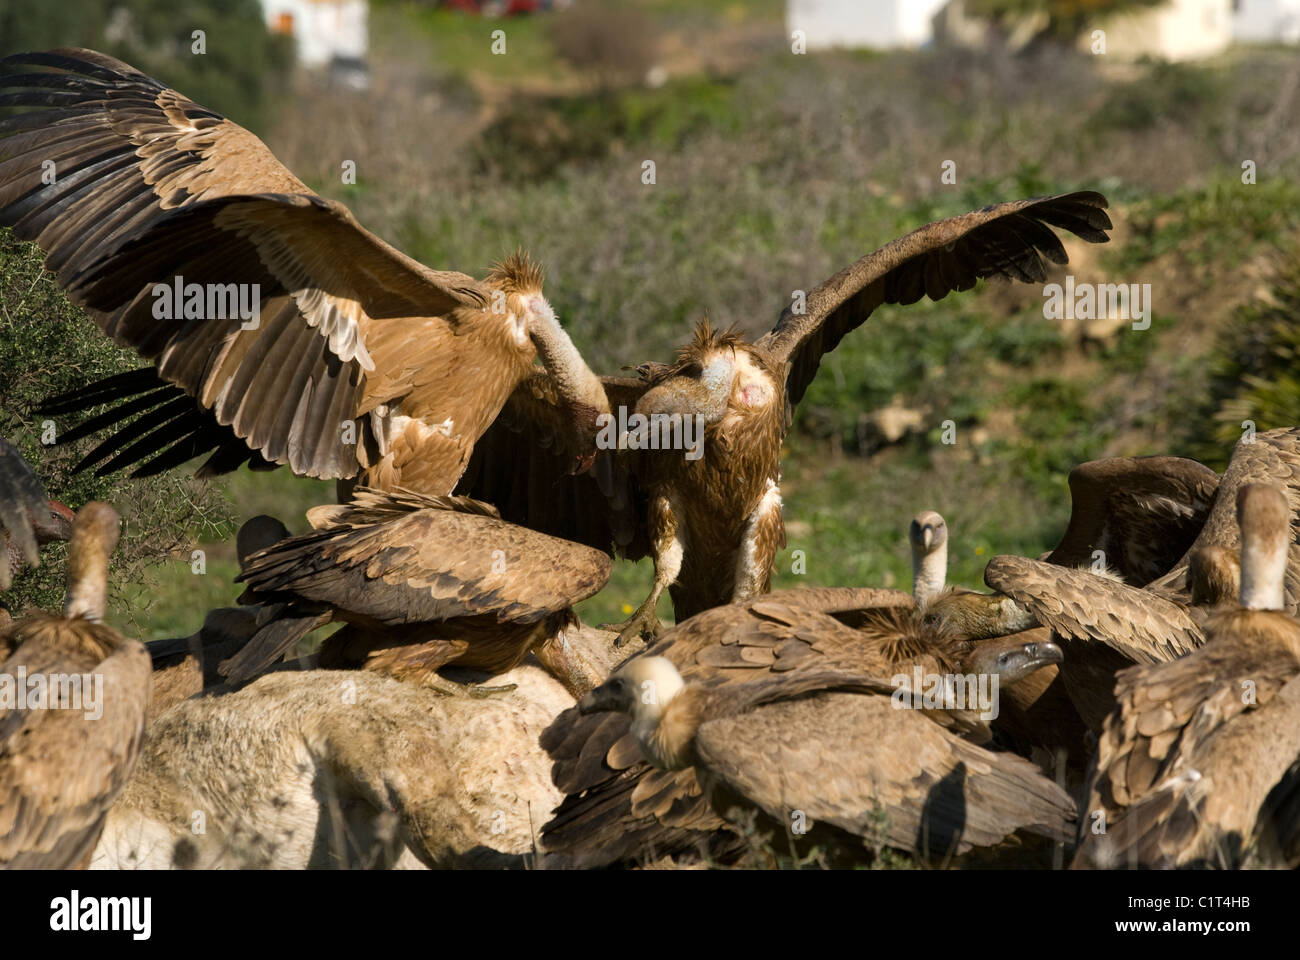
(279,330)
(619,808)
(828,754)
(73,698)
(1201,755)
(28,520)
(712,519)
(422,582)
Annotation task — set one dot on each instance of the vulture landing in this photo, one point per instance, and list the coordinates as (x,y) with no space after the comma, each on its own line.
(65,756)
(1198,763)
(713,522)
(422,583)
(289,334)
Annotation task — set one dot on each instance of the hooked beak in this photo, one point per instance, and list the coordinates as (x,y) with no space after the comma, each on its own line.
(927,536)
(605,698)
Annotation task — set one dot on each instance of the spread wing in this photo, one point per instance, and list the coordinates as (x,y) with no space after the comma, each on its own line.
(22,499)
(148,187)
(60,770)
(415,559)
(1080,605)
(524,465)
(917,787)
(1270,457)
(1009,240)
(1141,512)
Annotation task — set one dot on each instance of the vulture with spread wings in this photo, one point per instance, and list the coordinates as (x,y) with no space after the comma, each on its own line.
(279,330)
(711,518)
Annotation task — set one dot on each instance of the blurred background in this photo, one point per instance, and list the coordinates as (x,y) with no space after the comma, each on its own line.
(790,137)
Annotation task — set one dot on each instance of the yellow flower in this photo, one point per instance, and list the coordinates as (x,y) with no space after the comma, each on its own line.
(979,551)
(627,608)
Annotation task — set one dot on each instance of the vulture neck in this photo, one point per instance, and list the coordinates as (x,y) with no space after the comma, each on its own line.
(666,732)
(574,379)
(929,573)
(94,535)
(1263,572)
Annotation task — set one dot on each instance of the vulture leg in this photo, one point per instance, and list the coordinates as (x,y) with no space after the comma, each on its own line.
(669,547)
(450,688)
(764,533)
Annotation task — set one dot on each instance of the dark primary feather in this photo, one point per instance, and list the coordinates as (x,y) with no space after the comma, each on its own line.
(1143,513)
(1011,240)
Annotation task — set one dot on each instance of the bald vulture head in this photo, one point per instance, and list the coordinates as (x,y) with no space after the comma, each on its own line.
(929,537)
(643,688)
(716,373)
(1264,516)
(1011,659)
(1214,576)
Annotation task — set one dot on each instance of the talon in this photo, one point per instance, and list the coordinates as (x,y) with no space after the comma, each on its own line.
(642,624)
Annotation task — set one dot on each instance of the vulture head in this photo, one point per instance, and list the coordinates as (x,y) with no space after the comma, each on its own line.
(529,317)
(715,375)
(256,534)
(1011,660)
(929,537)
(643,689)
(975,616)
(1265,519)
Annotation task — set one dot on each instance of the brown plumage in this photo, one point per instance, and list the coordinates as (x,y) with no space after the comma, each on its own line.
(713,524)
(619,808)
(363,364)
(1102,625)
(28,521)
(421,582)
(1269,457)
(828,751)
(61,767)
(1141,513)
(1197,765)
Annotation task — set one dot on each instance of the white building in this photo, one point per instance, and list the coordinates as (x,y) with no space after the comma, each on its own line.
(1175,30)
(325,30)
(1267,21)
(862,23)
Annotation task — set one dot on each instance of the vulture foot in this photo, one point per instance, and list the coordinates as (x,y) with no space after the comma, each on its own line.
(644,623)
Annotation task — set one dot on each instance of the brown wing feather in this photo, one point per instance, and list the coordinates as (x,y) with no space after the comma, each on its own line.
(151,186)
(413,560)
(524,465)
(939,794)
(618,806)
(1009,240)
(1080,605)
(1141,512)
(59,771)
(1185,761)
